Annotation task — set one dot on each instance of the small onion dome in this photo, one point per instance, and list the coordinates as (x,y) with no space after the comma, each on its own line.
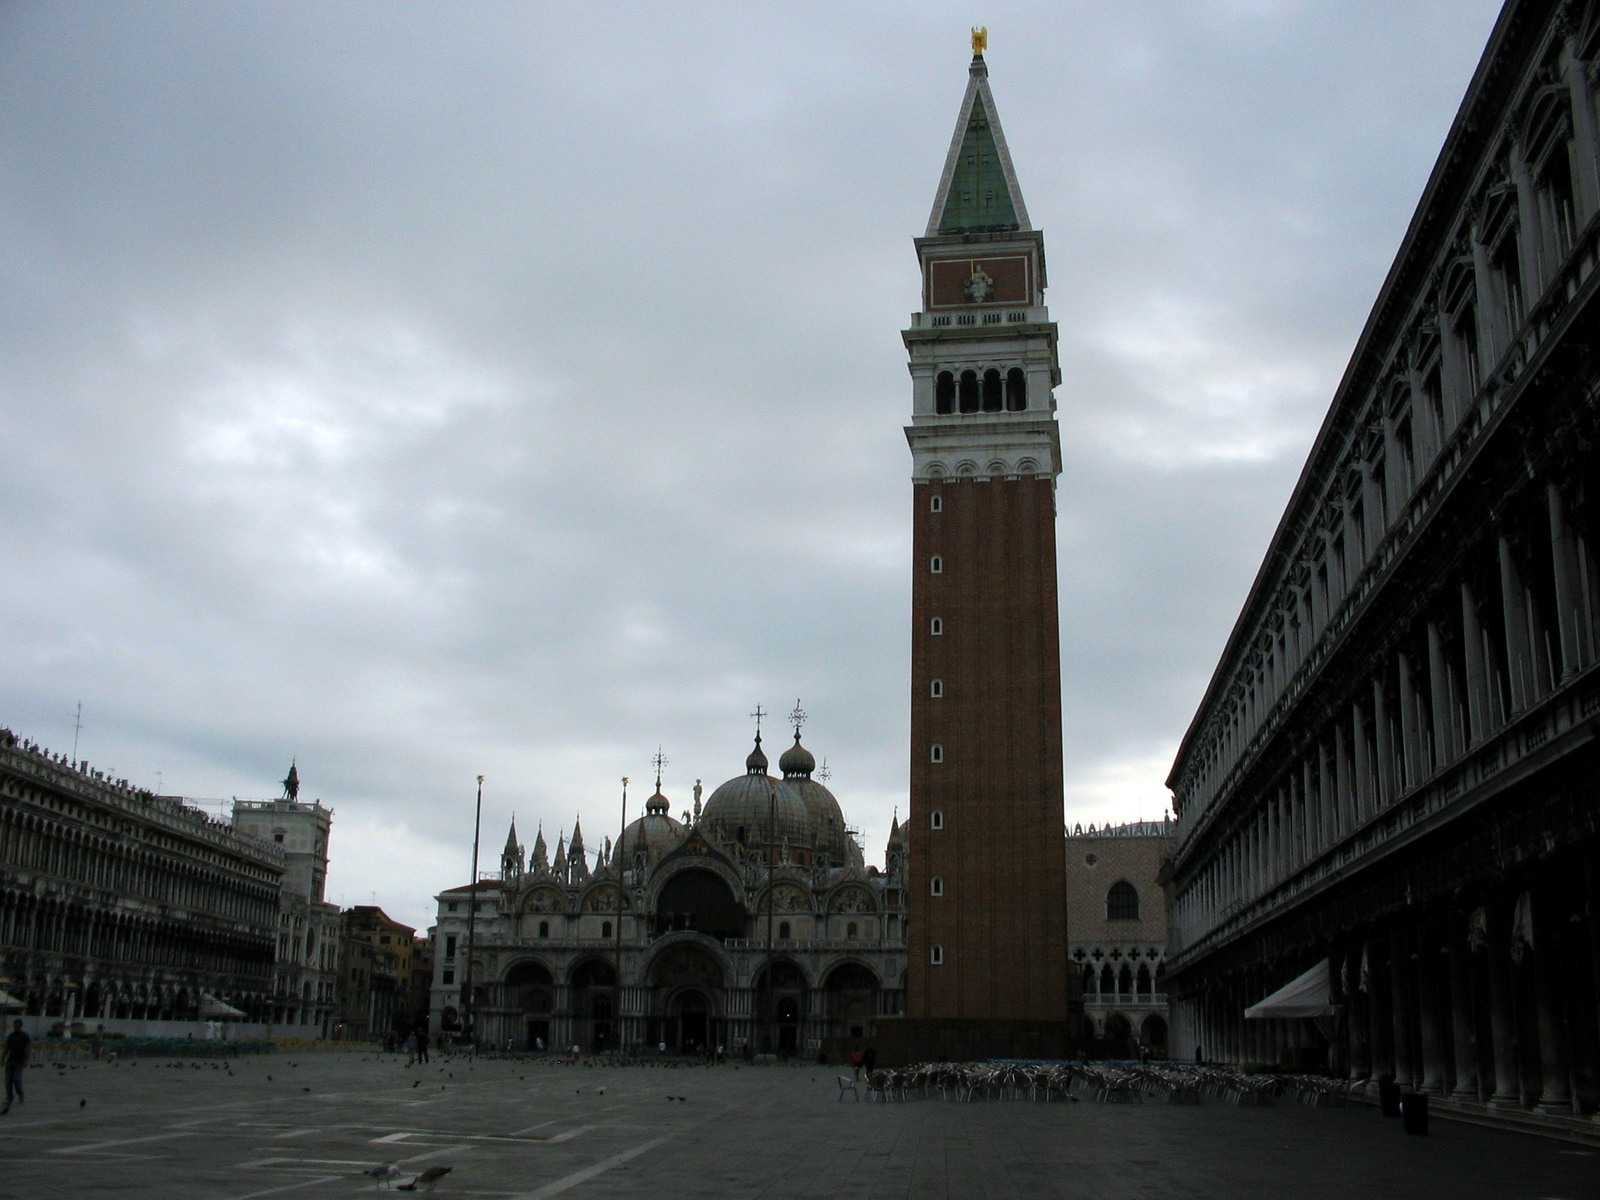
(797,761)
(658,804)
(756,764)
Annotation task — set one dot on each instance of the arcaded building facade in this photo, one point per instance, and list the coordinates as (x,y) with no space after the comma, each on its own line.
(753,921)
(1394,771)
(120,905)
(986,956)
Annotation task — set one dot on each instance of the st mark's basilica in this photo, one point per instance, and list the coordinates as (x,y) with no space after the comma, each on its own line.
(753,921)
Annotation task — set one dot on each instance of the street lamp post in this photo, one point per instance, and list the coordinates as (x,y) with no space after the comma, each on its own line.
(621,864)
(470,1023)
(769,1012)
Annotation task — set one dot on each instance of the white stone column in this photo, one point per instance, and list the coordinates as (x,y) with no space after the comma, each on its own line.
(1478,707)
(1585,138)
(1518,659)
(1563,552)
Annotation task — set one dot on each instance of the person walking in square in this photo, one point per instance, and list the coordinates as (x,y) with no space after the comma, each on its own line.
(19,1047)
(422,1043)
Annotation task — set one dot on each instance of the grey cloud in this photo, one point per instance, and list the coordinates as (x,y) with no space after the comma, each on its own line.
(508,390)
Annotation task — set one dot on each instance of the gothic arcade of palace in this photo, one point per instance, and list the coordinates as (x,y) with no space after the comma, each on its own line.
(752,921)
(1391,789)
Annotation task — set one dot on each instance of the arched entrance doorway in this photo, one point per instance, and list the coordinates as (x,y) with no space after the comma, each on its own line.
(852,1000)
(1118,1034)
(692,1010)
(780,1009)
(1153,1033)
(530,989)
(688,980)
(594,987)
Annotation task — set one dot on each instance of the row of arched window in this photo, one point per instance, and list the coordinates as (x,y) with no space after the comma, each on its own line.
(991,392)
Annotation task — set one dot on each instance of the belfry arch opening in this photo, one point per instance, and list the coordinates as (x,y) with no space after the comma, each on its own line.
(969,391)
(1016,390)
(991,391)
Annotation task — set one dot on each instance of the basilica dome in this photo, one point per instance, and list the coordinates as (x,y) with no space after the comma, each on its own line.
(742,809)
(828,836)
(652,834)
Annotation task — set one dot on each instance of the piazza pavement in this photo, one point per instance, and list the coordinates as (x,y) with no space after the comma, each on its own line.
(307,1125)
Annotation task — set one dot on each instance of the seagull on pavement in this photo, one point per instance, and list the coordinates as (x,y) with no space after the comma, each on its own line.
(383,1174)
(430,1177)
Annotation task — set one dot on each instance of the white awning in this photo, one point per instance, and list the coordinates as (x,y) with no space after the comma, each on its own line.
(1307,996)
(7,1000)
(212,1009)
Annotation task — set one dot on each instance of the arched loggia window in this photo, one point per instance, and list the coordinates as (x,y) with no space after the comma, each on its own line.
(991,391)
(944,393)
(969,391)
(1016,390)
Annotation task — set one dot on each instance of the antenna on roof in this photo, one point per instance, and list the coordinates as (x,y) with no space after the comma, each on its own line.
(77,728)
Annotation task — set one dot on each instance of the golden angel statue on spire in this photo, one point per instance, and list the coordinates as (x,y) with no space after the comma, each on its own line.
(980,40)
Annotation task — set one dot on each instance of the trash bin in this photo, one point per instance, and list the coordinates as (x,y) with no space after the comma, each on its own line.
(1389,1097)
(1414,1113)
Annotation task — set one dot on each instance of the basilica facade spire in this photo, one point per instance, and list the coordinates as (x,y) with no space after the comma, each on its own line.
(987,950)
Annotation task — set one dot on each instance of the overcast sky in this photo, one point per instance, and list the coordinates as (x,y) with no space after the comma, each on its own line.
(426,391)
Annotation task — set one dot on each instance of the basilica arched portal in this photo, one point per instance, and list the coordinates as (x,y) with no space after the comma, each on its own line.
(689,985)
(529,992)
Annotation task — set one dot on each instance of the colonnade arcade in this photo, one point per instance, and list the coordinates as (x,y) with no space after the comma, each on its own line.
(688,994)
(65,958)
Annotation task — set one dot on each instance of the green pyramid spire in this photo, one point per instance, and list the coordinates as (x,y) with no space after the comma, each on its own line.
(978,191)
(978,198)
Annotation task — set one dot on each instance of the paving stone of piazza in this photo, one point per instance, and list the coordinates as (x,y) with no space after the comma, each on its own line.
(305,1125)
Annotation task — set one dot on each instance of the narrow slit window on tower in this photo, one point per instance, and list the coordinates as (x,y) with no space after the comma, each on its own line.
(936,754)
(936,955)
(936,819)
(969,391)
(936,886)
(937,565)
(937,629)
(1016,390)
(991,389)
(936,503)
(936,689)
(605,929)
(944,392)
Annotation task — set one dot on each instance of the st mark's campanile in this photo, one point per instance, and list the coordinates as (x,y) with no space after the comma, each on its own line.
(987,929)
